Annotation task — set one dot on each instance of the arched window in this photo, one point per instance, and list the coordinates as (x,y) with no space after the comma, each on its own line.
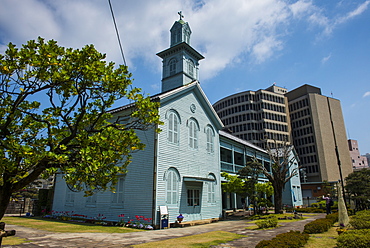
(70,197)
(117,196)
(210,139)
(212,189)
(172,187)
(193,134)
(191,67)
(173,127)
(172,65)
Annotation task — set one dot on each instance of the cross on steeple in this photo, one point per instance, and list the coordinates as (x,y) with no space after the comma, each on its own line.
(180,14)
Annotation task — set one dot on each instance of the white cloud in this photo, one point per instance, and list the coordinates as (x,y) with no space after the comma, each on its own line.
(325,59)
(358,11)
(227,33)
(366,94)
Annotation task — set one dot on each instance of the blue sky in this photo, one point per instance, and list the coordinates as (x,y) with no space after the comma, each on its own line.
(247,44)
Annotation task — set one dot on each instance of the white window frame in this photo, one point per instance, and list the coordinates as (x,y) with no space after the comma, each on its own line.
(210,140)
(191,67)
(193,134)
(173,127)
(172,188)
(212,190)
(117,197)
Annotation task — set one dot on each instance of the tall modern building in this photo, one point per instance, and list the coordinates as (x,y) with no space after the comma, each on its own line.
(319,136)
(257,116)
(358,162)
(313,123)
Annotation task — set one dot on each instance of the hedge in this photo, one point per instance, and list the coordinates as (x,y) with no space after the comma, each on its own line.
(318,226)
(354,239)
(266,223)
(361,220)
(291,239)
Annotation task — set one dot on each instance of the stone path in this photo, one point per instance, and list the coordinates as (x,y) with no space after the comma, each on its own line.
(50,239)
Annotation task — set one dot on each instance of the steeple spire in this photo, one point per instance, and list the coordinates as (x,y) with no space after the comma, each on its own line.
(180,61)
(180,31)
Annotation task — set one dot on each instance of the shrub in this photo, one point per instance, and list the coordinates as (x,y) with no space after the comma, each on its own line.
(291,239)
(266,223)
(333,217)
(361,220)
(354,239)
(318,226)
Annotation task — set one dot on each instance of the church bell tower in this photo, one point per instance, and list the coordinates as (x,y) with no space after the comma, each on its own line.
(180,61)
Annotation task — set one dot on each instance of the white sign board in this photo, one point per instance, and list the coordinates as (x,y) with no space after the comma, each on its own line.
(163,210)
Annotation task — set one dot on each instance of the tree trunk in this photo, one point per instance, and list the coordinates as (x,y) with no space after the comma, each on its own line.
(5,195)
(278,199)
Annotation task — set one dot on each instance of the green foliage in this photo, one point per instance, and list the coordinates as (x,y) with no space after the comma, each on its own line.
(320,204)
(354,239)
(318,226)
(257,192)
(333,217)
(68,130)
(291,239)
(358,185)
(361,220)
(233,184)
(267,223)
(328,188)
(310,210)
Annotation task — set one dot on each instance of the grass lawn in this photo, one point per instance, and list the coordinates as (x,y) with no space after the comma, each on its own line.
(198,240)
(52,225)
(320,240)
(13,241)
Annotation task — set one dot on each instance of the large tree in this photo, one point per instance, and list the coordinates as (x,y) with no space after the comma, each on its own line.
(54,107)
(283,167)
(358,186)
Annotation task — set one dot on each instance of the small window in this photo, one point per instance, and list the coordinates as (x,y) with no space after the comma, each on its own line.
(117,196)
(172,64)
(191,67)
(193,134)
(193,197)
(210,140)
(173,128)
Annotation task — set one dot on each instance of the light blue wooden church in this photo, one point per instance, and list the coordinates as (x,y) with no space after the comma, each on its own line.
(179,170)
(180,166)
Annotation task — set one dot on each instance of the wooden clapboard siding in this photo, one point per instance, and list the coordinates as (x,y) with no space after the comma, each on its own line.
(188,161)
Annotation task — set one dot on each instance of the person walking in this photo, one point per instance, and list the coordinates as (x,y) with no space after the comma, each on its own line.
(329,203)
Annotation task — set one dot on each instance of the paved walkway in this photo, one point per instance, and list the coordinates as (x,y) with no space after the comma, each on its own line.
(50,239)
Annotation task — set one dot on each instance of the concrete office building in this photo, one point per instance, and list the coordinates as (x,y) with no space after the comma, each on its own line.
(257,116)
(358,162)
(318,134)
